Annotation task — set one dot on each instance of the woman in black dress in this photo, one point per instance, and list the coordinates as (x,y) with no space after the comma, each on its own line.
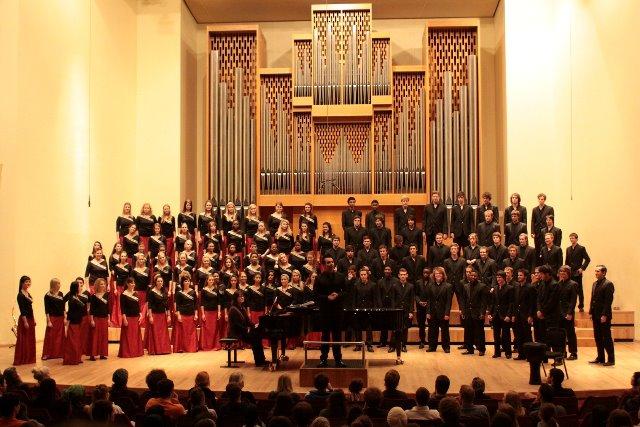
(229,215)
(158,318)
(97,268)
(251,221)
(156,240)
(130,242)
(284,237)
(274,219)
(187,216)
(236,236)
(168,225)
(25,351)
(262,239)
(203,273)
(121,272)
(130,334)
(181,238)
(99,318)
(210,314)
(142,277)
(309,218)
(305,238)
(297,257)
(52,347)
(325,239)
(145,222)
(76,312)
(204,218)
(241,327)
(123,221)
(186,303)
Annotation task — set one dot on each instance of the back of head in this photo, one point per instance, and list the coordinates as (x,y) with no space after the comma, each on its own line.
(619,418)
(442,384)
(120,378)
(165,388)
(512,398)
(48,389)
(478,385)
(422,396)
(467,394)
(320,422)
(250,415)
(362,421)
(283,405)
(279,421)
(102,410)
(302,414)
(372,397)
(356,385)
(233,392)
(396,417)
(509,411)
(337,400)
(449,409)
(599,415)
(546,393)
(11,377)
(202,379)
(547,413)
(237,377)
(321,382)
(196,397)
(557,376)
(285,384)
(9,403)
(100,392)
(391,379)
(153,377)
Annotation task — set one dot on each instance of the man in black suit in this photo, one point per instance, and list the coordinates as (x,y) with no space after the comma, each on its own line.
(438,252)
(402,214)
(328,289)
(406,301)
(367,254)
(462,221)
(550,254)
(551,228)
(472,252)
(513,229)
(497,251)
(364,296)
(336,252)
(568,297)
(370,219)
(524,297)
(513,261)
(487,268)
(600,312)
(439,310)
(414,263)
(473,310)
(421,290)
(380,234)
(578,259)
(486,228)
(501,312)
(548,301)
(347,261)
(399,249)
(350,213)
(412,234)
(435,218)
(487,206)
(355,234)
(381,262)
(527,253)
(388,297)
(454,269)
(538,220)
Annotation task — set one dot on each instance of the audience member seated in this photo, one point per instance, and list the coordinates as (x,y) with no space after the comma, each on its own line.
(74,396)
(355,390)
(198,409)
(167,399)
(441,388)
(100,392)
(336,405)
(513,399)
(508,411)
(153,377)
(548,415)
(285,385)
(397,417)
(40,373)
(9,407)
(280,422)
(468,408)
(234,406)
(479,386)
(630,399)
(421,411)
(46,395)
(251,416)
(320,422)
(619,418)
(14,384)
(302,414)
(119,389)
(237,377)
(556,377)
(449,409)
(321,389)
(372,403)
(354,412)
(203,383)
(500,419)
(283,406)
(545,395)
(391,381)
(102,411)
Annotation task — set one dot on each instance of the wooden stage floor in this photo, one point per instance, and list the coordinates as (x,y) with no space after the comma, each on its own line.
(420,369)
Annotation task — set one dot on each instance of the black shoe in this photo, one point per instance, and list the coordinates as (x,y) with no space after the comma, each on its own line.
(391,350)
(340,364)
(609,364)
(404,348)
(103,357)
(595,361)
(431,350)
(495,356)
(461,347)
(446,350)
(421,346)
(370,349)
(467,352)
(481,353)
(520,357)
(93,359)
(572,356)
(323,364)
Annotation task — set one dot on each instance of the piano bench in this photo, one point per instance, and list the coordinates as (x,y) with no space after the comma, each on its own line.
(231,345)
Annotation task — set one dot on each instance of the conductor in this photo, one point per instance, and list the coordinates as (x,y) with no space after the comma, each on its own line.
(329,288)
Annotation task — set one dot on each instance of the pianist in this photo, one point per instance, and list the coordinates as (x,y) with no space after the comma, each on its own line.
(241,327)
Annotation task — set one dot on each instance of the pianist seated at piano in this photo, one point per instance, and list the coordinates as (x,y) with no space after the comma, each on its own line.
(242,328)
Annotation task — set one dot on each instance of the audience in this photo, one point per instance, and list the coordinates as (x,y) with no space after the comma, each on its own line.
(619,418)
(362,421)
(397,417)
(372,403)
(9,407)
(13,383)
(302,414)
(449,409)
(547,415)
(198,409)
(501,419)
(441,389)
(545,395)
(119,390)
(101,392)
(203,383)
(512,399)
(478,386)
(336,405)
(47,394)
(285,385)
(468,408)
(320,422)
(508,411)
(238,378)
(153,377)
(630,399)
(167,400)
(235,405)
(421,411)
(283,406)
(355,390)
(391,381)
(321,389)
(280,421)
(556,377)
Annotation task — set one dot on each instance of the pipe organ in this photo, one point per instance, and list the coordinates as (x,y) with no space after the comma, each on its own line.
(343,119)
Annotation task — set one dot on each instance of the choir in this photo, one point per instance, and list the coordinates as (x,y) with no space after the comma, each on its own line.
(212,275)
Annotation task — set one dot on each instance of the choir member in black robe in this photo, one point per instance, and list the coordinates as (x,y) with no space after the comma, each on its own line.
(284,237)
(76,312)
(512,260)
(181,238)
(568,298)
(538,220)
(25,350)
(145,222)
(550,254)
(438,252)
(348,260)
(383,260)
(486,228)
(578,259)
(497,251)
(548,302)
(350,213)
(204,218)
(97,268)
(52,347)
(435,218)
(229,215)
(236,236)
(158,319)
(487,268)
(399,250)
(368,254)
(156,240)
(514,228)
(414,264)
(422,302)
(411,234)
(251,221)
(402,214)
(99,318)
(551,228)
(186,304)
(472,252)
(439,310)
(524,303)
(335,251)
(305,238)
(473,309)
(141,275)
(388,297)
(309,218)
(527,253)
(484,207)
(325,239)
(462,221)
(406,301)
(600,312)
(124,221)
(168,226)
(187,216)
(380,234)
(501,312)
(262,239)
(370,218)
(363,298)
(354,235)
(454,267)
(130,333)
(253,267)
(130,242)
(273,223)
(515,206)
(310,267)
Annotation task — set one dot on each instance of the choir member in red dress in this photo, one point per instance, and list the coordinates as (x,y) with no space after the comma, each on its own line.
(158,319)
(114,259)
(275,218)
(124,221)
(236,236)
(168,225)
(97,268)
(185,338)
(229,215)
(25,351)
(140,275)
(262,239)
(130,242)
(305,237)
(310,219)
(204,219)
(226,299)
(253,267)
(76,312)
(156,241)
(145,222)
(97,245)
(130,335)
(284,237)
(251,221)
(210,313)
(99,318)
(121,272)
(203,273)
(192,256)
(54,333)
(181,238)
(187,216)
(85,323)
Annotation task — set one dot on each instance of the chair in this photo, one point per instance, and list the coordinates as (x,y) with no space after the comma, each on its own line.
(556,339)
(609,402)
(570,404)
(231,344)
